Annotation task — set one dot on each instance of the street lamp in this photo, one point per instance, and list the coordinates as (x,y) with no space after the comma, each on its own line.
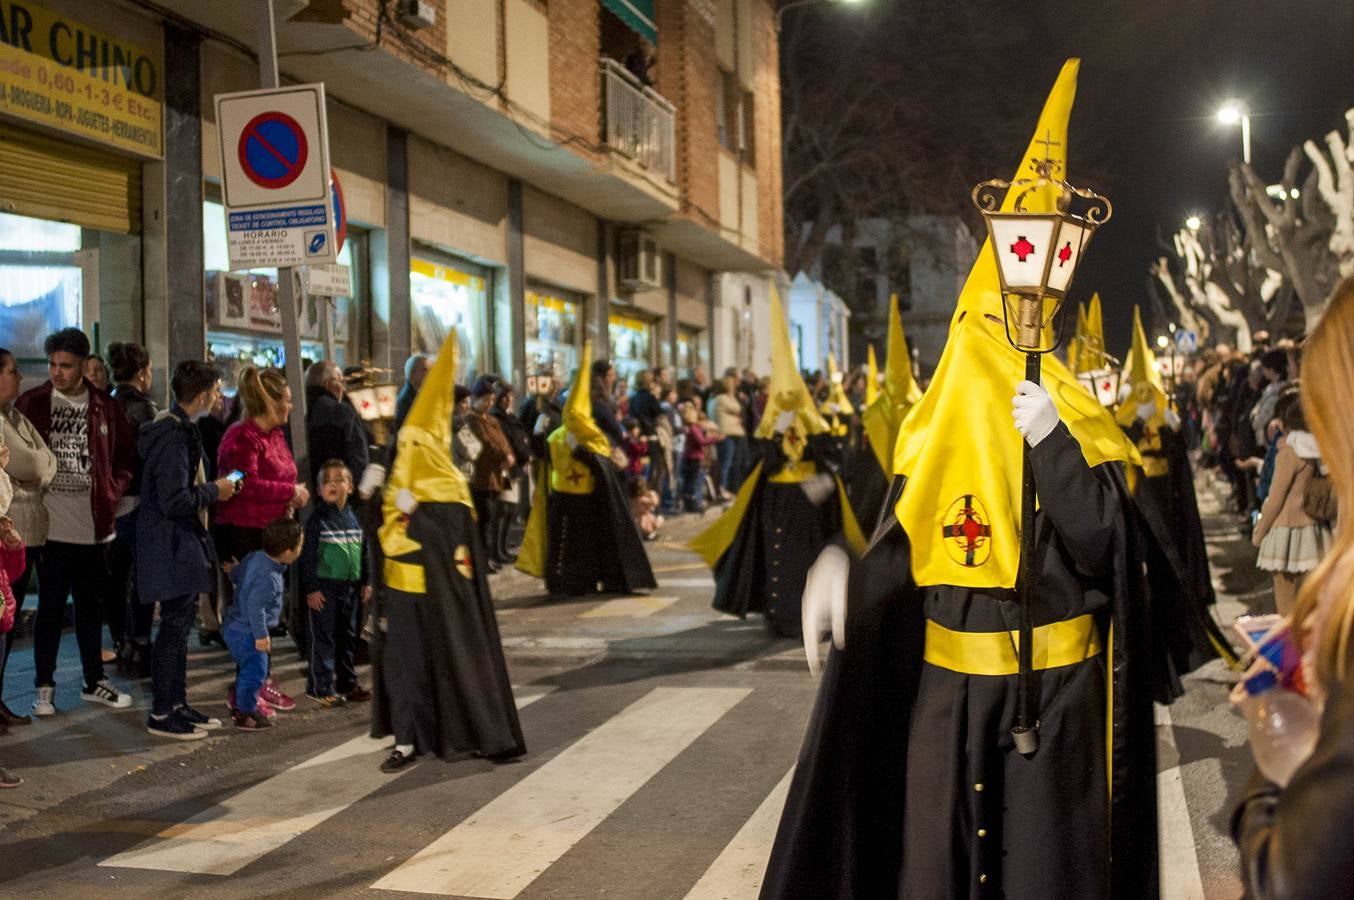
(1194,223)
(1037,254)
(780,13)
(1234,113)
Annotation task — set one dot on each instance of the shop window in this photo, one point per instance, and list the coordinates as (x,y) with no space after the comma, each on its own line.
(631,346)
(244,325)
(551,332)
(41,285)
(690,351)
(446,295)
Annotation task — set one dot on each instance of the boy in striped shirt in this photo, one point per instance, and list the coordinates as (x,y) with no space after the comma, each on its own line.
(335,580)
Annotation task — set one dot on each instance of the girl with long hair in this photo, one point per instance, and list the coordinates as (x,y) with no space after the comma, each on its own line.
(1297,841)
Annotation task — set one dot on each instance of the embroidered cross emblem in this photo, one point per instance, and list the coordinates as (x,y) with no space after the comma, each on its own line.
(792,435)
(461,557)
(575,475)
(1022,248)
(966,528)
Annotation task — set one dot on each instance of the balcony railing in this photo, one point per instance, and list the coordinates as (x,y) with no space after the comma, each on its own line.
(638,122)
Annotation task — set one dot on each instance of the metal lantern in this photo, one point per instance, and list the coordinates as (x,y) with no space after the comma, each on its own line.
(1037,253)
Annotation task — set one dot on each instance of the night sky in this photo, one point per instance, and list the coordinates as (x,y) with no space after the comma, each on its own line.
(1153,74)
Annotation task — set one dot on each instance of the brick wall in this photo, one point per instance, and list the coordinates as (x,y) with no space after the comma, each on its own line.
(361,17)
(575,97)
(688,75)
(766,80)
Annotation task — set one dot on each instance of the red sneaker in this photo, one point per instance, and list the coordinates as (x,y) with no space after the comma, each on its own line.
(274,697)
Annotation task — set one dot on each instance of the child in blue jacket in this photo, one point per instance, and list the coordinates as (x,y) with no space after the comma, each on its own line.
(257,607)
(335,581)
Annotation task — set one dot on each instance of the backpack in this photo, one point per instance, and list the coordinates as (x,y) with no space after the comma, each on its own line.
(1318,497)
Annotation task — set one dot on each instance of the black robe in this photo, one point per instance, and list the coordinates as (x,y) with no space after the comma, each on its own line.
(780,536)
(1177,566)
(593,541)
(896,747)
(866,487)
(438,668)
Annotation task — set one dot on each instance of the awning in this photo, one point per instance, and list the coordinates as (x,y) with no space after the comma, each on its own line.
(638,14)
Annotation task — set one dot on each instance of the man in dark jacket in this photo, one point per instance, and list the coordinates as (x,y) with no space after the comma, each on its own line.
(175,558)
(333,428)
(95,451)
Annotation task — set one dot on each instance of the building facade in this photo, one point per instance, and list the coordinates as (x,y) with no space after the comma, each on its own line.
(532,174)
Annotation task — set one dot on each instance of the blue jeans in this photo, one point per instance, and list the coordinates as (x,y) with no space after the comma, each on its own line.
(169,657)
(251,667)
(333,638)
(693,482)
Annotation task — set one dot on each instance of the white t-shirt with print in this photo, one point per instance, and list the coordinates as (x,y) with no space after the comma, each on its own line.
(67,498)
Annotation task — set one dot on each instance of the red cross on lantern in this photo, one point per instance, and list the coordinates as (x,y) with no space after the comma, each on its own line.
(1065,254)
(968,530)
(1022,248)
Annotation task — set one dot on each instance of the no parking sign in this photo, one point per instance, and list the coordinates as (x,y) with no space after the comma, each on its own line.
(275,177)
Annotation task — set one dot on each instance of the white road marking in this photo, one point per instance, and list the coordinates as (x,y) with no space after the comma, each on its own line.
(1180,878)
(629,608)
(226,837)
(705,582)
(504,846)
(737,872)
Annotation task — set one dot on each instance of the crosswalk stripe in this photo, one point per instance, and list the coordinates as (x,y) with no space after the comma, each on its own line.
(510,841)
(680,567)
(1180,878)
(737,872)
(629,608)
(705,582)
(227,837)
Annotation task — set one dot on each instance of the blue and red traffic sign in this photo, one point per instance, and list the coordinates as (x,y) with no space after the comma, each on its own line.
(273,150)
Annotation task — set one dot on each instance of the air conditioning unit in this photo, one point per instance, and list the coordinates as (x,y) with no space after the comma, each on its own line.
(639,262)
(415,14)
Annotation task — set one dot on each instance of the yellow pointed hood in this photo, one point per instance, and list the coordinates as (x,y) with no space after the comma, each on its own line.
(1078,342)
(1091,356)
(1143,378)
(566,473)
(958,447)
(872,369)
(423,463)
(882,418)
(787,392)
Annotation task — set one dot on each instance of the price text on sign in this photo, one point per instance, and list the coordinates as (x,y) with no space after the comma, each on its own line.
(61,73)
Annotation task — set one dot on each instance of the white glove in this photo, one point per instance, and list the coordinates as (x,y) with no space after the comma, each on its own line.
(823,609)
(1034,413)
(571,440)
(373,476)
(833,409)
(405,501)
(785,420)
(1172,420)
(818,488)
(1146,410)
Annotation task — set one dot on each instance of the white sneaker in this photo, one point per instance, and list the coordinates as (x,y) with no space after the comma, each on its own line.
(43,706)
(105,693)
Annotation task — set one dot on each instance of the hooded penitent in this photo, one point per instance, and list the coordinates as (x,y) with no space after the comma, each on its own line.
(440,679)
(962,471)
(789,506)
(908,783)
(837,406)
(872,370)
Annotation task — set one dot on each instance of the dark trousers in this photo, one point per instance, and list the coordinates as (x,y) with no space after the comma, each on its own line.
(333,640)
(79,571)
(409,682)
(20,588)
(693,481)
(169,657)
(486,504)
(128,619)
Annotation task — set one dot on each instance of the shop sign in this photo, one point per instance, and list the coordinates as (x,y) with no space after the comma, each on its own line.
(275,177)
(64,74)
(327,281)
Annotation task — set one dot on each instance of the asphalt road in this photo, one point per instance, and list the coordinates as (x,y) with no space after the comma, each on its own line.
(660,735)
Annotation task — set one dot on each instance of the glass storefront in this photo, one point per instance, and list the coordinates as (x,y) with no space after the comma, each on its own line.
(244,326)
(690,350)
(631,345)
(446,294)
(41,286)
(551,331)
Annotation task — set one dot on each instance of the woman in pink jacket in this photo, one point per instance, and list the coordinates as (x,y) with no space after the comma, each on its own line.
(257,447)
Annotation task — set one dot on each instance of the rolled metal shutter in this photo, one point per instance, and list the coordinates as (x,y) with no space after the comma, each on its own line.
(52,179)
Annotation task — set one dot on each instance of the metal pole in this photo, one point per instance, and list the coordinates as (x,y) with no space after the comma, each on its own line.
(286,288)
(1026,733)
(1246,139)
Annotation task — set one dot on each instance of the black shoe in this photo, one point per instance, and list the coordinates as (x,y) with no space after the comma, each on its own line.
(174,728)
(207,638)
(397,760)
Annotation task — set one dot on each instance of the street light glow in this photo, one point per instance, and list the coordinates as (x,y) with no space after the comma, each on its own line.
(1162,342)
(1194,223)
(1230,114)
